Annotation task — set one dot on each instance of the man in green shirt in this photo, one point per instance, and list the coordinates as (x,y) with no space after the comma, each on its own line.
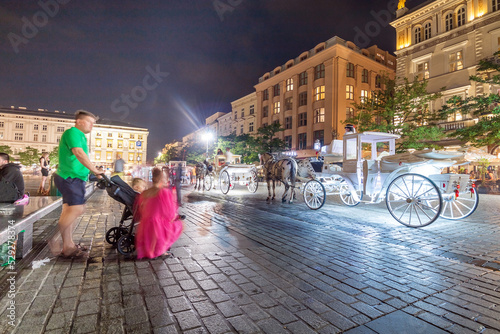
(72,173)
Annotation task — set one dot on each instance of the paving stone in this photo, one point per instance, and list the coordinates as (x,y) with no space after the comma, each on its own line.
(187,320)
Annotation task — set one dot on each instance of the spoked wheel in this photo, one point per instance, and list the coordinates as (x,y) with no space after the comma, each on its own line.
(224,182)
(413,200)
(208,182)
(314,194)
(254,182)
(459,207)
(347,197)
(115,233)
(125,245)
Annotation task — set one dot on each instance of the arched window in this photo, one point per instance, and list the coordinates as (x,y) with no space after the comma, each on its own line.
(418,35)
(461,17)
(448,22)
(427,31)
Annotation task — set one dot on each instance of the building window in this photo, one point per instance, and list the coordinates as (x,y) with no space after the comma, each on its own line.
(302,141)
(495,5)
(35,126)
(120,135)
(349,113)
(289,103)
(131,145)
(252,109)
(235,115)
(378,81)
(289,84)
(110,134)
(276,108)
(20,126)
(98,134)
(131,157)
(264,125)
(139,137)
(109,156)
(58,138)
(427,31)
(448,22)
(242,113)
(98,143)
(60,129)
(250,127)
(288,123)
(364,76)
(288,142)
(120,144)
(44,127)
(1,124)
(265,95)
(461,17)
(319,115)
(456,61)
(97,155)
(265,111)
(319,135)
(110,144)
(350,70)
(319,71)
(1,135)
(276,121)
(241,129)
(418,35)
(303,99)
(349,92)
(44,138)
(303,119)
(132,136)
(35,137)
(303,79)
(319,93)
(364,96)
(423,70)
(276,90)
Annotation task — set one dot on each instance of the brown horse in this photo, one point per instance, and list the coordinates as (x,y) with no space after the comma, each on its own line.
(201,172)
(283,170)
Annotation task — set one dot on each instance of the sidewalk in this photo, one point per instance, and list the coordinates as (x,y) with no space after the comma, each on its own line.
(244,266)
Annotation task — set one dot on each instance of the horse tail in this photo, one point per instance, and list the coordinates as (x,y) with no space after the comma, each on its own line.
(293,171)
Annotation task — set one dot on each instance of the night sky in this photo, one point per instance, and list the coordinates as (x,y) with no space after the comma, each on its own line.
(165,65)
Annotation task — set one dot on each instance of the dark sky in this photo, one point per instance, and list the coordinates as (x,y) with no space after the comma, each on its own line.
(92,54)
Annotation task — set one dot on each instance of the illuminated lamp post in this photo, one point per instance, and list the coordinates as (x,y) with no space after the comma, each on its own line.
(207,136)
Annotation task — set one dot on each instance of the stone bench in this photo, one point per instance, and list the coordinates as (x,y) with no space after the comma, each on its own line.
(19,219)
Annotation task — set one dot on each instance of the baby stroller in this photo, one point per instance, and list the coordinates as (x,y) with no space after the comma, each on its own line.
(120,236)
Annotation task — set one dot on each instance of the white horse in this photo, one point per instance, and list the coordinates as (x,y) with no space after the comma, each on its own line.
(305,170)
(283,170)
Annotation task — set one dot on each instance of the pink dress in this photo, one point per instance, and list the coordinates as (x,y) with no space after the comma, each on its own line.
(158,228)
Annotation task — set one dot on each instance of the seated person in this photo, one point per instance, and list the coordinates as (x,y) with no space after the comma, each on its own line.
(11,182)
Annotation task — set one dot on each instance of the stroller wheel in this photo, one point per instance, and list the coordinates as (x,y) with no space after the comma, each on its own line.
(114,234)
(125,245)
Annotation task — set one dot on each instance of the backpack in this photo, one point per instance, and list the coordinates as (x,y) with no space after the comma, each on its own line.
(8,191)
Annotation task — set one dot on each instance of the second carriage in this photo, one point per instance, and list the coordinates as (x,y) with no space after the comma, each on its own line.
(226,176)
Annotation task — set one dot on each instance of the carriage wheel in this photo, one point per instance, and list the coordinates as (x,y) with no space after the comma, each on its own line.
(413,200)
(459,207)
(254,182)
(115,233)
(208,182)
(314,194)
(224,182)
(346,196)
(125,245)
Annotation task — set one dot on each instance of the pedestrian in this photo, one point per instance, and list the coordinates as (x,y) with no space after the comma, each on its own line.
(11,182)
(229,156)
(44,165)
(178,175)
(70,178)
(118,166)
(160,226)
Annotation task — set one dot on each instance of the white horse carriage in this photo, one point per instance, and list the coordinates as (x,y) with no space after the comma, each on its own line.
(228,175)
(414,190)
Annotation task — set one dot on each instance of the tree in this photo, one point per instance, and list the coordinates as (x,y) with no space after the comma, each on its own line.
(30,156)
(6,149)
(404,110)
(168,153)
(266,140)
(485,107)
(54,156)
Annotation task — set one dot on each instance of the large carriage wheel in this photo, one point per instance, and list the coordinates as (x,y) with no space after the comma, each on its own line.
(115,233)
(314,194)
(253,184)
(125,245)
(347,197)
(208,182)
(224,182)
(459,207)
(413,200)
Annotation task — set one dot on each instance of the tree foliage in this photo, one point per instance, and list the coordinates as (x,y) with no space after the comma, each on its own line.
(401,109)
(266,140)
(485,107)
(30,156)
(169,153)
(6,149)
(54,156)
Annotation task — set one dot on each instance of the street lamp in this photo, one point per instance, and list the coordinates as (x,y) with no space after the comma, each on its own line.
(207,136)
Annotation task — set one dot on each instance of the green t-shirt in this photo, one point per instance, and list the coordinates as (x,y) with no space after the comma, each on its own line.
(69,166)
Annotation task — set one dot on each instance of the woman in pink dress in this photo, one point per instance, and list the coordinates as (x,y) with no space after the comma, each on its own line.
(159,227)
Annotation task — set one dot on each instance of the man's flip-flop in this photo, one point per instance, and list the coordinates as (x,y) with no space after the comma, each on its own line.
(76,254)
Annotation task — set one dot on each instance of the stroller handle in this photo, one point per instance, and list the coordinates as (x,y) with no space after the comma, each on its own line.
(103,182)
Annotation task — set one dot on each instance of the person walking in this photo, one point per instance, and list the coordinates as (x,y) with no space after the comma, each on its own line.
(70,178)
(118,166)
(44,165)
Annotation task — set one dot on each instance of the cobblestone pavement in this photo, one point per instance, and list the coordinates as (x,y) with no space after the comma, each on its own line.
(245,266)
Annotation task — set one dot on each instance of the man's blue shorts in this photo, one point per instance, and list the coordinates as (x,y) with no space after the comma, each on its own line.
(72,190)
